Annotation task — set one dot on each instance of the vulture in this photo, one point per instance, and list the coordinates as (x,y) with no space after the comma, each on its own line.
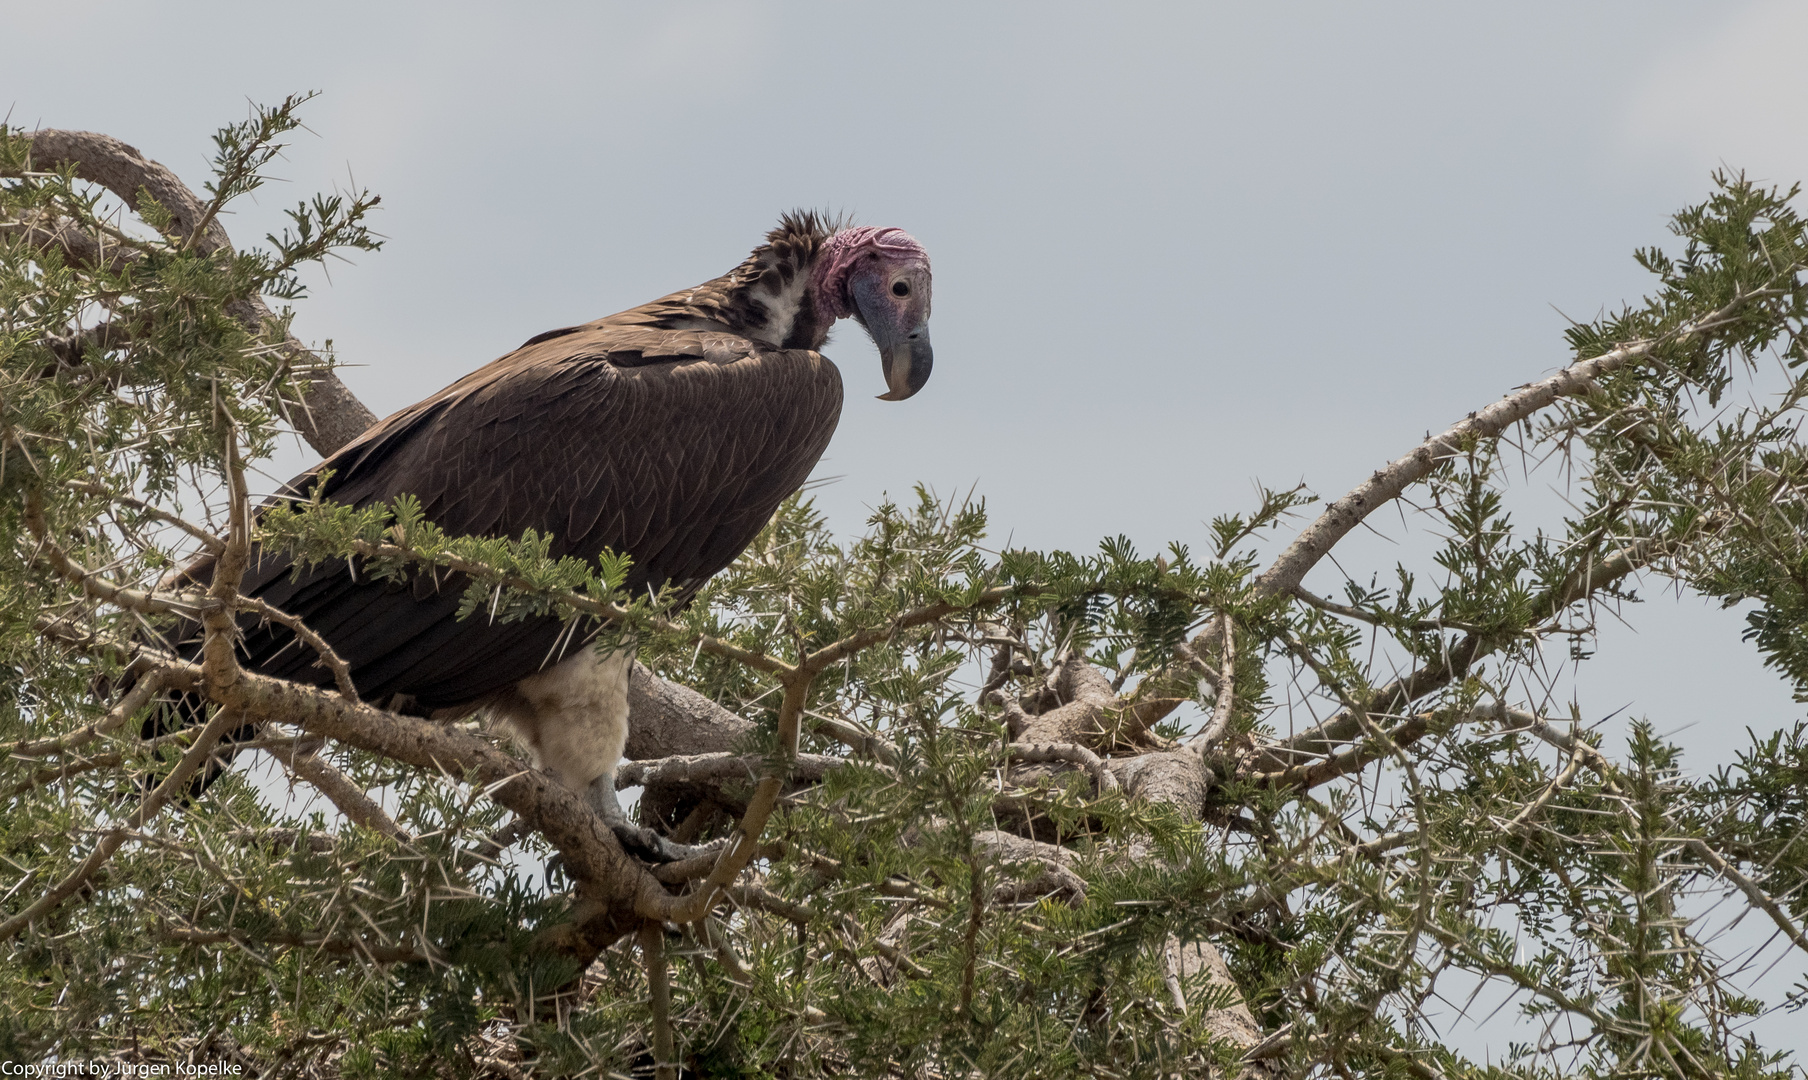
(669,432)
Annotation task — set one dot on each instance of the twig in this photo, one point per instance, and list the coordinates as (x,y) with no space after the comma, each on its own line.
(652,954)
(928,613)
(208,540)
(1382,620)
(1072,754)
(1751,890)
(92,583)
(342,671)
(358,807)
(1558,783)
(494,844)
(136,698)
(1352,758)
(225,720)
(219,662)
(1170,973)
(1227,690)
(80,765)
(1344,514)
(683,870)
(717,936)
(857,739)
(745,842)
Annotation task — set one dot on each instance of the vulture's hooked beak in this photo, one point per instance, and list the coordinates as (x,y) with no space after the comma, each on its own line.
(894,308)
(907,363)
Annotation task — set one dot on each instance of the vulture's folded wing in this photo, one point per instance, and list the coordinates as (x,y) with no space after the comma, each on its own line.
(672,446)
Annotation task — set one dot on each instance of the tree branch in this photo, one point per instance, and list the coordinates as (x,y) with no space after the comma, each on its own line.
(652,954)
(1344,514)
(332,416)
(1072,754)
(123,710)
(713,770)
(343,947)
(224,720)
(1215,731)
(358,807)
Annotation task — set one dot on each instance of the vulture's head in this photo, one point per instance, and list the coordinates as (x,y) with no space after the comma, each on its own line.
(881,278)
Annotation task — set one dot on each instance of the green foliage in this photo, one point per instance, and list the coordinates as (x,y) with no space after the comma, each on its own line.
(935,905)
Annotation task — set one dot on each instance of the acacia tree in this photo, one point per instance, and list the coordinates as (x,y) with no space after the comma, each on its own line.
(971,812)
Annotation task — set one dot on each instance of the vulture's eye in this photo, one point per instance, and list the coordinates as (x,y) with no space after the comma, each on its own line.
(900,288)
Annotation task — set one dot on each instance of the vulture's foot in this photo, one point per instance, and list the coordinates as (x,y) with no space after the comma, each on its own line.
(640,841)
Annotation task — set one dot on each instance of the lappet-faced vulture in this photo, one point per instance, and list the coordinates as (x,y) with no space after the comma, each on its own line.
(669,432)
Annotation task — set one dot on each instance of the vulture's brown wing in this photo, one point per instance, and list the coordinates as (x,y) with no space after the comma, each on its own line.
(673,446)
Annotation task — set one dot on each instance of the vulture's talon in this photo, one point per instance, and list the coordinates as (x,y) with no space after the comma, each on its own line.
(640,841)
(649,846)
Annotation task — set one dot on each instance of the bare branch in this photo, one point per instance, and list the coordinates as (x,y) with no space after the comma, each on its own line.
(331,415)
(666,718)
(206,539)
(857,739)
(1344,514)
(123,710)
(358,807)
(713,770)
(342,671)
(1227,689)
(94,585)
(1072,754)
(1054,877)
(652,954)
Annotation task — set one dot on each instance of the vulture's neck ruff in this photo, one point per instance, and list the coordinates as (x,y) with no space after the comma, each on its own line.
(793,288)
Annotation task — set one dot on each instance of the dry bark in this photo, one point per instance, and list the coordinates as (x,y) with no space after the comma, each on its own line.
(667,719)
(1077,709)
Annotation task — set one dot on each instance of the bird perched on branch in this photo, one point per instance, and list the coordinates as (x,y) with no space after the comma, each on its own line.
(669,432)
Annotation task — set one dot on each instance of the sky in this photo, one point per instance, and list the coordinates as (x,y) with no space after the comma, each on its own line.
(1178,248)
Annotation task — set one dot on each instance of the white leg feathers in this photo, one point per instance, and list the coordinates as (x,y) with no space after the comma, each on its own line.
(573,716)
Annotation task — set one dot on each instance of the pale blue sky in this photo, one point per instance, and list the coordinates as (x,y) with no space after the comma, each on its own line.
(1177,246)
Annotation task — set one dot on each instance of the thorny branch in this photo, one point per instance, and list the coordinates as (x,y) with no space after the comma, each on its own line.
(331,415)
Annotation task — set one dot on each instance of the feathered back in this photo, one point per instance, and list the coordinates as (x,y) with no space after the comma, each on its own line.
(669,432)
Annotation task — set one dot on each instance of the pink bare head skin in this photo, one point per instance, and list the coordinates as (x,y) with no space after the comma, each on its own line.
(881,278)
(844,250)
